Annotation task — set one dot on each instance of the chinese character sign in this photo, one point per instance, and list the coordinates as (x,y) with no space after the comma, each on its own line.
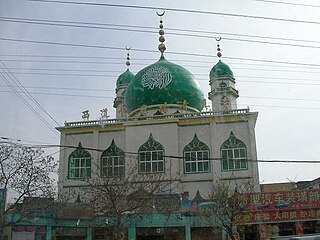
(280,200)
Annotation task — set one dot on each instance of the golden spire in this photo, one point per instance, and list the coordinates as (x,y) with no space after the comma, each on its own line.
(219,54)
(128,57)
(161,46)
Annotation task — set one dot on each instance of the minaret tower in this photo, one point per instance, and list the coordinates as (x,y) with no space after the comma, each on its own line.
(223,94)
(122,83)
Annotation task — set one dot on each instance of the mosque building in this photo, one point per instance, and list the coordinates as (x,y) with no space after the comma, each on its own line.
(161,121)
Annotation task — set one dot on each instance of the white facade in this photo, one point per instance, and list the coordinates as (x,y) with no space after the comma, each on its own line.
(174,133)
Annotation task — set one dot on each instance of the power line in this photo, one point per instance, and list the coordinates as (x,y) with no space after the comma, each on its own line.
(267,98)
(9,76)
(114,58)
(289,3)
(189,66)
(68,88)
(72,23)
(145,62)
(22,140)
(181,157)
(151,51)
(169,31)
(178,10)
(199,79)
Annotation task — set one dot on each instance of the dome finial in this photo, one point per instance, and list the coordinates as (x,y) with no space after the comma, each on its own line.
(161,46)
(219,54)
(128,63)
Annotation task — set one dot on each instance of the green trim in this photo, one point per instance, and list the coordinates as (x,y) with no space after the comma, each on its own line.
(228,148)
(151,146)
(112,151)
(196,146)
(75,160)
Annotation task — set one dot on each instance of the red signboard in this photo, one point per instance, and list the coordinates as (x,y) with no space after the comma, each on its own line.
(299,228)
(263,231)
(276,216)
(291,200)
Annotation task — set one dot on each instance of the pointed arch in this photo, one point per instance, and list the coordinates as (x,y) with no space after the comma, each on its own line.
(151,156)
(79,163)
(196,157)
(223,85)
(112,161)
(233,154)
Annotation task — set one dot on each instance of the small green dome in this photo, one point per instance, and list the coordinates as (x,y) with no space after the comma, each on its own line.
(163,82)
(125,78)
(220,69)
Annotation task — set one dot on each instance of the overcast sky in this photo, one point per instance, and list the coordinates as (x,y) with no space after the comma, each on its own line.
(275,62)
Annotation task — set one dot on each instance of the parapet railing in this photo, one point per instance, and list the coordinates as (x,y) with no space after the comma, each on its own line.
(155,117)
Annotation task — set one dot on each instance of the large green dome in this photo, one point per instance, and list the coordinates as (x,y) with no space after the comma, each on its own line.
(125,78)
(163,82)
(220,69)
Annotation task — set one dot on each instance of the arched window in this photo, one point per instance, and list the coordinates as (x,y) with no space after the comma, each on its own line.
(79,163)
(233,154)
(196,157)
(112,161)
(223,86)
(151,157)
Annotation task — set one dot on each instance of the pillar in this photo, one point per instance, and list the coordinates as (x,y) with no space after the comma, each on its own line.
(89,233)
(187,232)
(49,232)
(132,233)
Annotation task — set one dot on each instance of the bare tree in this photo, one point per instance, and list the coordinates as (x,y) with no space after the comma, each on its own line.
(25,172)
(121,198)
(225,202)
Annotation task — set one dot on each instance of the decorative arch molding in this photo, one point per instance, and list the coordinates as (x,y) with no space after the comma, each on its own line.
(112,161)
(79,163)
(151,156)
(233,154)
(196,157)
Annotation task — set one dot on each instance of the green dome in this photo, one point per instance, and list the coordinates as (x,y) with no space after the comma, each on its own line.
(220,69)
(125,78)
(163,82)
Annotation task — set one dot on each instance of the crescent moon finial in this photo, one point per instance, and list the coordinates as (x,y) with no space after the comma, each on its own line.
(161,14)
(219,54)
(128,63)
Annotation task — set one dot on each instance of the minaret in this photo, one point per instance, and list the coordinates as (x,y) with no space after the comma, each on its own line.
(122,83)
(223,94)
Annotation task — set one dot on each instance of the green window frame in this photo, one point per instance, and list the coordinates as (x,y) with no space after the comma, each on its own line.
(112,162)
(233,155)
(151,157)
(196,157)
(79,164)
